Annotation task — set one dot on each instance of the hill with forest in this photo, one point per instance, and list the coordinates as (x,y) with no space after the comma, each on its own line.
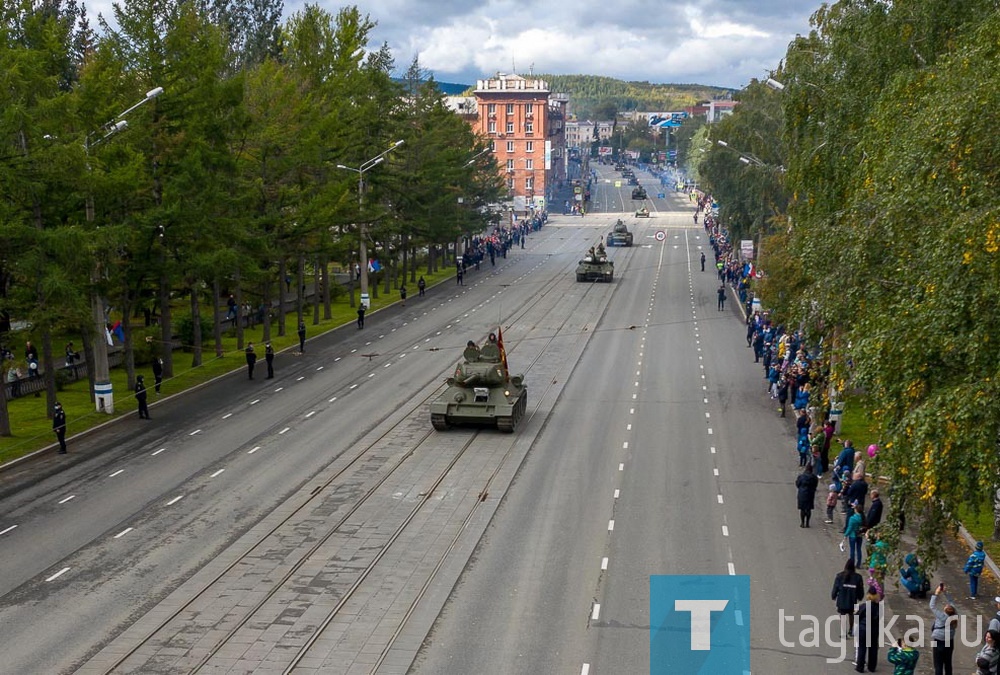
(594,96)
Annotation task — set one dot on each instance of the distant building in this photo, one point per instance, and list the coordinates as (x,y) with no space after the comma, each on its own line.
(580,134)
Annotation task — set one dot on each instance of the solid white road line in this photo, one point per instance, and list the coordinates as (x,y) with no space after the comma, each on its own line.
(116,473)
(158,452)
(123,533)
(8,529)
(58,574)
(216,473)
(253,449)
(66,499)
(175,500)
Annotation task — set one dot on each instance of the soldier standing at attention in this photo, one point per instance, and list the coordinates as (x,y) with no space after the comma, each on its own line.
(140,397)
(269,357)
(302,337)
(361,316)
(702,261)
(59,426)
(251,359)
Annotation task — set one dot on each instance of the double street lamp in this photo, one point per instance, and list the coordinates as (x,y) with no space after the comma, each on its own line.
(365,166)
(103,395)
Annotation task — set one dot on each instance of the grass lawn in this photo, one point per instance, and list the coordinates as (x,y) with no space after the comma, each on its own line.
(31,427)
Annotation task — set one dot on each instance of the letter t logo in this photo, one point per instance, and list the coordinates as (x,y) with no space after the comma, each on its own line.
(701,620)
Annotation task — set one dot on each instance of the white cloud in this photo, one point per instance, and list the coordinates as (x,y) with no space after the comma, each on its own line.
(716,42)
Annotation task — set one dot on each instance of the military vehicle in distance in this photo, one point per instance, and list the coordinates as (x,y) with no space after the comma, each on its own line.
(642,212)
(638,192)
(595,266)
(481,392)
(620,236)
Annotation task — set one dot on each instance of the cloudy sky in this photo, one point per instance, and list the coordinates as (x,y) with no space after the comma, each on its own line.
(716,42)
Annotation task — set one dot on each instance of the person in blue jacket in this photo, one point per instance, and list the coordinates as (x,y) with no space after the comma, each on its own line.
(912,576)
(974,568)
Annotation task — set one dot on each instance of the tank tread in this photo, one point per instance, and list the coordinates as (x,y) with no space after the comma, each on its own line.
(439,422)
(509,423)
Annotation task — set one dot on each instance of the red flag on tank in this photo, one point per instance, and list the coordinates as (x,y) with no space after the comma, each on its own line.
(503,352)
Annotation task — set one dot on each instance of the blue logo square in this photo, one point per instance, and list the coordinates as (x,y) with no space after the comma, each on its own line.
(699,625)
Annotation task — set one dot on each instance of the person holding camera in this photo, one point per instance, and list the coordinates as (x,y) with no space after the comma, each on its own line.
(943,632)
(904,658)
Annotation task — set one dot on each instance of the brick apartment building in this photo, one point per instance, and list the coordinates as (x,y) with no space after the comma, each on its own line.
(526,125)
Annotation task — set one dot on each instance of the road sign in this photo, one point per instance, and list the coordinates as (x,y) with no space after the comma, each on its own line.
(660,235)
(661,195)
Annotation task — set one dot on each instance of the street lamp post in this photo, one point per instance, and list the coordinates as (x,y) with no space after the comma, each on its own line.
(103,394)
(365,166)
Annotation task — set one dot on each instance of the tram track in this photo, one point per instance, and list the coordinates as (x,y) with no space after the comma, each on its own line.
(401,461)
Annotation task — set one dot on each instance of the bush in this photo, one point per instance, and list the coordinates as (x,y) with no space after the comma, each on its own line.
(185,330)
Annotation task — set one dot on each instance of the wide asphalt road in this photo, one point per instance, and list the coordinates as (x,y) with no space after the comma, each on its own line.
(661,455)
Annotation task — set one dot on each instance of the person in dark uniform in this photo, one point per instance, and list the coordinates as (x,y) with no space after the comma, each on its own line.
(269,357)
(140,397)
(722,297)
(702,261)
(402,295)
(361,316)
(157,373)
(59,426)
(421,286)
(251,359)
(302,337)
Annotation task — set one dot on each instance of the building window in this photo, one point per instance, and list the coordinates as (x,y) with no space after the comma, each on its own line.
(492,127)
(510,108)
(529,127)
(529,164)
(510,146)
(510,127)
(529,146)
(510,166)
(493,146)
(529,183)
(529,109)
(491,109)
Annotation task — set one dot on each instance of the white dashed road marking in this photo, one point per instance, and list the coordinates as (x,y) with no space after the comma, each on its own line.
(66,499)
(175,500)
(8,529)
(123,533)
(116,473)
(58,574)
(216,473)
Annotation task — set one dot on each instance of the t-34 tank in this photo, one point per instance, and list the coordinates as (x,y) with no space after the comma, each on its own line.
(595,266)
(481,392)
